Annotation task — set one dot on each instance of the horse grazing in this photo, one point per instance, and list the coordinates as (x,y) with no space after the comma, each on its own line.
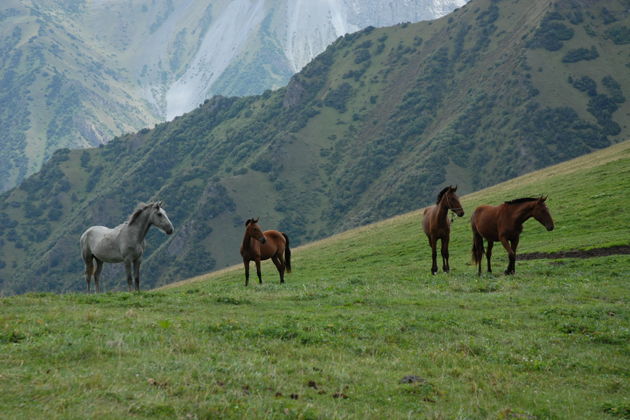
(124,243)
(505,223)
(258,245)
(436,224)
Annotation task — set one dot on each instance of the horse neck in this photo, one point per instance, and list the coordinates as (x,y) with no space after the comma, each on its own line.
(138,230)
(522,213)
(247,241)
(442,209)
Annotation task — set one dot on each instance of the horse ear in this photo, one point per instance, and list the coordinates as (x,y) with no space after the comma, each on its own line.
(454,188)
(543,198)
(248,222)
(255,220)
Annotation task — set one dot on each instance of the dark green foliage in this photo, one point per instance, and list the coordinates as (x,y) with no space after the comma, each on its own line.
(575,17)
(560,130)
(551,33)
(262,165)
(85,159)
(361,55)
(602,107)
(620,35)
(6,222)
(337,98)
(488,16)
(584,84)
(580,54)
(614,88)
(607,16)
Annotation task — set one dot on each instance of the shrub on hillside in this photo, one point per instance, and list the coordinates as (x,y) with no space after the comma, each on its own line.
(551,33)
(602,107)
(584,84)
(614,88)
(338,97)
(580,54)
(620,35)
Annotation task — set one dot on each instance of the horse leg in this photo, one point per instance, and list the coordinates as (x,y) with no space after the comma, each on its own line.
(477,248)
(257,261)
(433,244)
(129,278)
(280,266)
(89,269)
(511,256)
(246,264)
(489,255)
(445,266)
(97,274)
(136,273)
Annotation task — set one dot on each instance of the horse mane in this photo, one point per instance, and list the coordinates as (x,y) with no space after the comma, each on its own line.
(441,194)
(521,200)
(139,209)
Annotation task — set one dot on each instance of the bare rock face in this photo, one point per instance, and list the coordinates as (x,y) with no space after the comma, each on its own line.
(294,94)
(249,46)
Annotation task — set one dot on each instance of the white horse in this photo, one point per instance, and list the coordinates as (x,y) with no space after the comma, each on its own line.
(124,243)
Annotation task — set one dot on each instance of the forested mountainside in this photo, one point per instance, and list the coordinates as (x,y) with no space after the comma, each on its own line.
(78,73)
(372,127)
(57,89)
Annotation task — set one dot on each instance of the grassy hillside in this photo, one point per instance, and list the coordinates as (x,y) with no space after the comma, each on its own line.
(360,313)
(371,128)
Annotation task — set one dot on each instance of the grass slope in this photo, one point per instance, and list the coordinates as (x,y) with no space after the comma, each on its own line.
(359,313)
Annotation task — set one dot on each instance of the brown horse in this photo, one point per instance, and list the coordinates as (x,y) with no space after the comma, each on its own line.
(505,223)
(437,225)
(258,245)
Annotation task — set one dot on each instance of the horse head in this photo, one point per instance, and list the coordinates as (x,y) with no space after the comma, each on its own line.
(452,201)
(160,219)
(253,230)
(541,213)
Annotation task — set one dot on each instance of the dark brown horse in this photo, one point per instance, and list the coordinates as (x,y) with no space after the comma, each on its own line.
(437,225)
(505,223)
(258,245)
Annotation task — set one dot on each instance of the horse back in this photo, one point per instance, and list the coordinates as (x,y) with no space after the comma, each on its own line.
(485,220)
(101,242)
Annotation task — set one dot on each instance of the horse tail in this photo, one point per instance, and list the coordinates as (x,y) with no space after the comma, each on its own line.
(287,254)
(477,249)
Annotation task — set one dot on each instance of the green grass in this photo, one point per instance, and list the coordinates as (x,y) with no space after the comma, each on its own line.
(359,313)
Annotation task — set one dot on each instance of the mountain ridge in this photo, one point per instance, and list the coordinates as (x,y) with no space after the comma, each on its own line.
(372,127)
(76,75)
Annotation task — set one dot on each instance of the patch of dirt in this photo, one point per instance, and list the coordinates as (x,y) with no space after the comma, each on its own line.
(576,253)
(410,379)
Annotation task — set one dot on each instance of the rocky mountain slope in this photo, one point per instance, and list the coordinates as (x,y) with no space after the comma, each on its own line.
(372,127)
(77,73)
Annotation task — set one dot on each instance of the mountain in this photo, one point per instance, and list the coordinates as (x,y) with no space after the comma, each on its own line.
(77,73)
(374,126)
(57,90)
